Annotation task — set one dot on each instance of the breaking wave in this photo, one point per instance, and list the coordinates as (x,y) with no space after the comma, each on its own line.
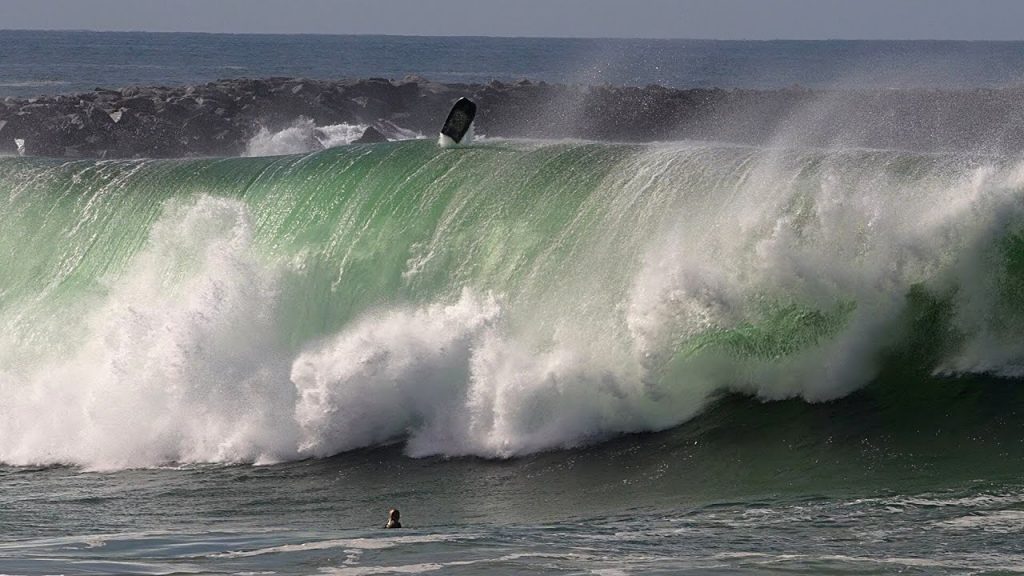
(495,300)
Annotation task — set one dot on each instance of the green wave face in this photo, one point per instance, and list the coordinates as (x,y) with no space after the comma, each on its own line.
(492,300)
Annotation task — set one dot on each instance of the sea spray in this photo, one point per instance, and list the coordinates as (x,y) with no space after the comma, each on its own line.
(495,301)
(393,373)
(179,362)
(302,136)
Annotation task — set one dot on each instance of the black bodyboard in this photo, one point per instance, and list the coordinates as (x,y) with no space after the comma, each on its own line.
(459,119)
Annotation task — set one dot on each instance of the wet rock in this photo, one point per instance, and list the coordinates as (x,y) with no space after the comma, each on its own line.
(371,135)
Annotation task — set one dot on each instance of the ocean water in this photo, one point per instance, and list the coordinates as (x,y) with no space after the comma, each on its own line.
(40,62)
(553,357)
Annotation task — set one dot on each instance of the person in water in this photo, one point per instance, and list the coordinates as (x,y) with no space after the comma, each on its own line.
(393,519)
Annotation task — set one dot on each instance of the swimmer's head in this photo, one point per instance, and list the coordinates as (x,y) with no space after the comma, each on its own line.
(393,515)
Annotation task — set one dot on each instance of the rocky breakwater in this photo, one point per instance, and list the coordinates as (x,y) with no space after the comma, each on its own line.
(212,119)
(221,117)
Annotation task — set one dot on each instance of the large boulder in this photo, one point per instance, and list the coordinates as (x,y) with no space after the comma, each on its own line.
(371,135)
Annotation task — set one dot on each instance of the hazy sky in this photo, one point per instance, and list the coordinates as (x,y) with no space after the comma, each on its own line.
(725,19)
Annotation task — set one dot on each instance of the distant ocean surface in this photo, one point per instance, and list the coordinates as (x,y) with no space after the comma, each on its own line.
(33,62)
(552,356)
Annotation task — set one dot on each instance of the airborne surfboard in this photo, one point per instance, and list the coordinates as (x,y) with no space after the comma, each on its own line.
(458,127)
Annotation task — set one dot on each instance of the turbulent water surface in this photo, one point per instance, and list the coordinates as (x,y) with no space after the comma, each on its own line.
(575,357)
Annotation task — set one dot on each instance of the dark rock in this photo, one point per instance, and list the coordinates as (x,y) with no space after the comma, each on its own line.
(140,104)
(371,135)
(219,117)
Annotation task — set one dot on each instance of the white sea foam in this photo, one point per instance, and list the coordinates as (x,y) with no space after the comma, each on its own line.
(403,371)
(422,567)
(301,137)
(179,364)
(349,544)
(304,136)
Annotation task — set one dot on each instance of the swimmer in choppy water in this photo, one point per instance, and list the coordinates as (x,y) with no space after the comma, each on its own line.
(393,519)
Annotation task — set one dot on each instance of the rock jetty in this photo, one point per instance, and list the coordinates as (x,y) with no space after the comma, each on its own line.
(219,118)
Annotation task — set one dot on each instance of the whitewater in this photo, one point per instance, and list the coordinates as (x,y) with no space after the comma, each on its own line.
(498,300)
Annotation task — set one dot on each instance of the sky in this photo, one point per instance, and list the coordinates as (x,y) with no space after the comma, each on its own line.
(721,19)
